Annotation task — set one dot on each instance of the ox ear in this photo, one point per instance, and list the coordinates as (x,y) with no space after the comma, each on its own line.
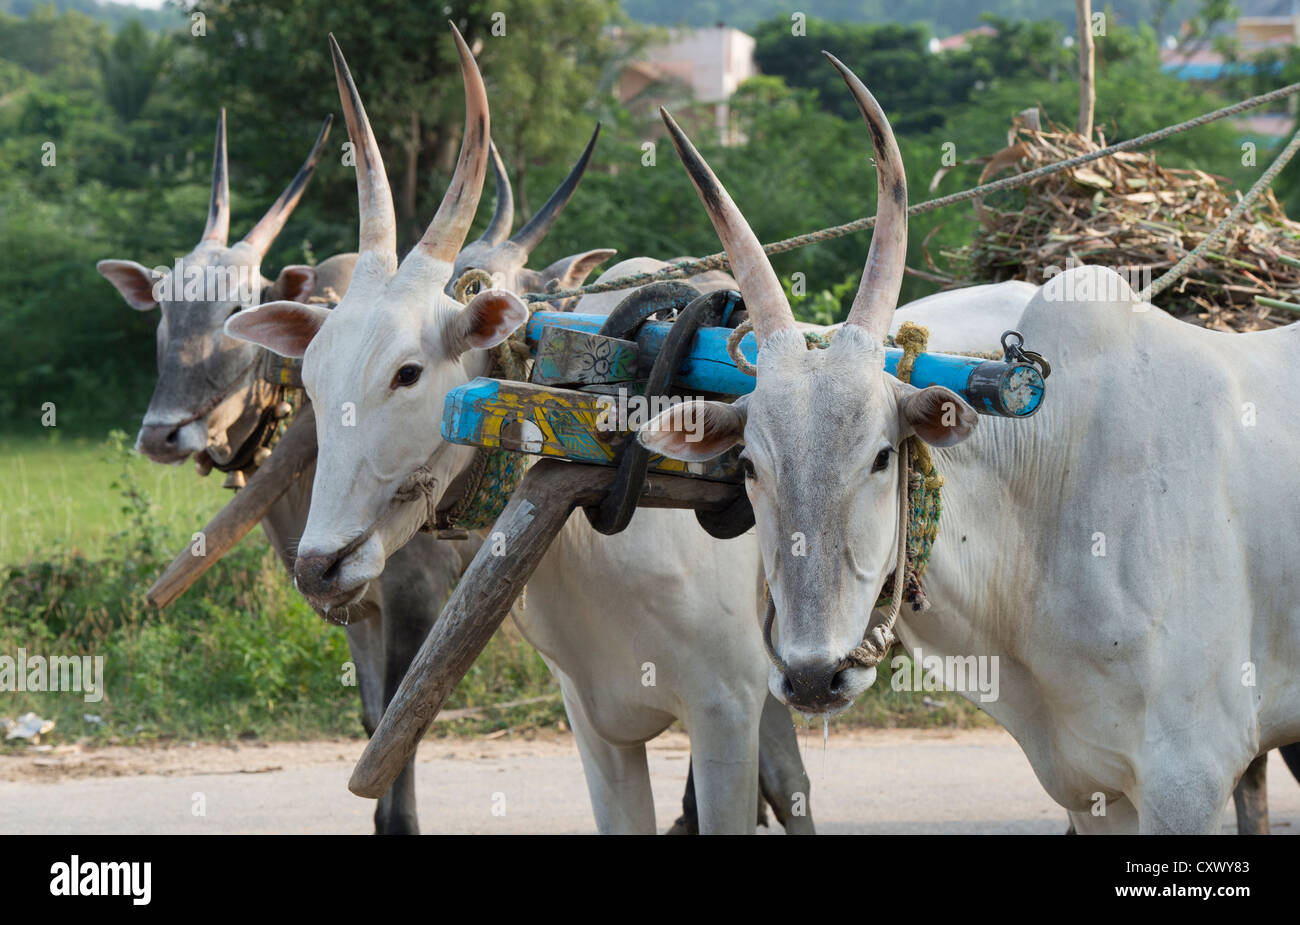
(285,328)
(695,430)
(937,415)
(133,281)
(573,270)
(488,319)
(294,284)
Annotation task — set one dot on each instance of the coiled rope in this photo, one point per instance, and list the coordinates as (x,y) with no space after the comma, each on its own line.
(719,261)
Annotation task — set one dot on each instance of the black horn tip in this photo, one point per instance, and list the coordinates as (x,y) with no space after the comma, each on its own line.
(461,44)
(706,183)
(336,54)
(678,137)
(846,74)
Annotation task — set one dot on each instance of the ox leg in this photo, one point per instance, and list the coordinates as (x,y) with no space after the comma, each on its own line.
(724,756)
(416,583)
(781,775)
(1181,795)
(618,776)
(688,823)
(1251,798)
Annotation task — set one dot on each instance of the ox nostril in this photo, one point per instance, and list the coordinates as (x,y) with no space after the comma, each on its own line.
(173,437)
(813,686)
(787,689)
(317,574)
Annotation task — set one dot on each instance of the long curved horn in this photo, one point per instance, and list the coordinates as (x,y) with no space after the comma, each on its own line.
(532,233)
(218,228)
(445,235)
(374,197)
(882,278)
(264,232)
(503,218)
(764,298)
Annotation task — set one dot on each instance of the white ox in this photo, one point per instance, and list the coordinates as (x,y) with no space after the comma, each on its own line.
(642,628)
(1127,554)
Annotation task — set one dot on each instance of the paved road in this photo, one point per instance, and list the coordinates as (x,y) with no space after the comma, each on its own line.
(892,781)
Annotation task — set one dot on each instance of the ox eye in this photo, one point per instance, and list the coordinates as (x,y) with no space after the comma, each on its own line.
(408,375)
(882,460)
(747,467)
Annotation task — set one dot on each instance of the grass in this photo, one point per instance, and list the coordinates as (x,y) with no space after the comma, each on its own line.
(85,529)
(56,495)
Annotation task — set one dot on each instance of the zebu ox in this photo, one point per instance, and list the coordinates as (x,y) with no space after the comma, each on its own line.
(973,319)
(1126,554)
(210,402)
(641,628)
(504,258)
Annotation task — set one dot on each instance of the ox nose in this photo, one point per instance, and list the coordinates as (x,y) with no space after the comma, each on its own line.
(161,442)
(814,687)
(317,576)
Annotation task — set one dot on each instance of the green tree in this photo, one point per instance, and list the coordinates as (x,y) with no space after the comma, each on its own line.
(130,67)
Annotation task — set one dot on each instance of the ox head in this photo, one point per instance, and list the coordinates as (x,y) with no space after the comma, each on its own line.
(379,366)
(504,256)
(821,430)
(201,398)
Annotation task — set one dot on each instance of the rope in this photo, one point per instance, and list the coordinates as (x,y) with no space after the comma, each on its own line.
(880,639)
(813,340)
(494,474)
(918,520)
(719,261)
(918,524)
(1181,268)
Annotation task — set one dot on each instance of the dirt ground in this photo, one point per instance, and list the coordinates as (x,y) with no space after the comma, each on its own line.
(868,781)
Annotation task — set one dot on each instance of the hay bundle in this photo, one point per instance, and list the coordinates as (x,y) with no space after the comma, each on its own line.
(1131,214)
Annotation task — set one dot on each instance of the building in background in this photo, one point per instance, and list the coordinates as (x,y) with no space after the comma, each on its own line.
(1262,25)
(693,74)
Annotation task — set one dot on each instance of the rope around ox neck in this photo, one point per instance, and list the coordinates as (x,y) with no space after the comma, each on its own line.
(880,638)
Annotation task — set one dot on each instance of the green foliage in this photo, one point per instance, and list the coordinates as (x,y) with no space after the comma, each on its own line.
(115,15)
(130,120)
(240,654)
(130,67)
(83,529)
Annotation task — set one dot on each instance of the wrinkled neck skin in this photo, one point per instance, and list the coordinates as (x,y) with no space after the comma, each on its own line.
(984,560)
